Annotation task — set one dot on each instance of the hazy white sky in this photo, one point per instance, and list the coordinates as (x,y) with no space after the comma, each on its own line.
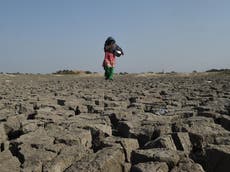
(43,36)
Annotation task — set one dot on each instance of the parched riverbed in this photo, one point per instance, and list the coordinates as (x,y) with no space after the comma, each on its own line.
(138,123)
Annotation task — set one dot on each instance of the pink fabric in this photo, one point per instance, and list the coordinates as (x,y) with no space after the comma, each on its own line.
(109,59)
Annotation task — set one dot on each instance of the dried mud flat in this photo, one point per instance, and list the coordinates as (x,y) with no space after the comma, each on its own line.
(138,123)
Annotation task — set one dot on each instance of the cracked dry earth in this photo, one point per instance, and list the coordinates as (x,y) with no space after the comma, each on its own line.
(136,123)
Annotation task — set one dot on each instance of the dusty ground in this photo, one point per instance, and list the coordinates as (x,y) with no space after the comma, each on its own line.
(137,122)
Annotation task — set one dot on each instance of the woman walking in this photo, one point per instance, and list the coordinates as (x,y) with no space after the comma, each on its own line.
(112,50)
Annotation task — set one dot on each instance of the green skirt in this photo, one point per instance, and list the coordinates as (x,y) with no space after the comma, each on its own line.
(109,72)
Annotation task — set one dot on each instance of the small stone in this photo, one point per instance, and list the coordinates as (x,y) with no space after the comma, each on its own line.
(61,102)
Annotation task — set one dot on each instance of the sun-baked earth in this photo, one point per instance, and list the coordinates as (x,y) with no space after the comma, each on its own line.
(137,123)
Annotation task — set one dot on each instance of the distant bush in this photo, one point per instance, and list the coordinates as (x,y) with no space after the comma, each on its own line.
(219,70)
(172,72)
(213,70)
(14,73)
(77,72)
(65,72)
(123,73)
(88,72)
(162,72)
